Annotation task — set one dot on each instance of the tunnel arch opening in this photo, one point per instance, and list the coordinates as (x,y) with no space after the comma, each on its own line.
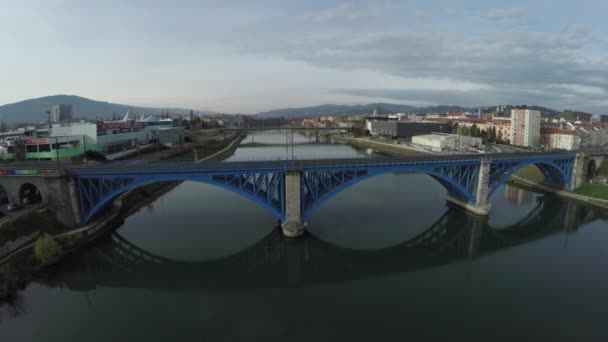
(29,194)
(3,196)
(591,169)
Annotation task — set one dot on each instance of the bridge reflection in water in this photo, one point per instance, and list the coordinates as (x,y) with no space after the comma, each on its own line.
(277,261)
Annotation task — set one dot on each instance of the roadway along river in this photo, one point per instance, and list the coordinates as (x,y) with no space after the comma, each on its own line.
(385,259)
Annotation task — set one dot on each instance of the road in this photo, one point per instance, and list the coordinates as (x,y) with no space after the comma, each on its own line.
(11,215)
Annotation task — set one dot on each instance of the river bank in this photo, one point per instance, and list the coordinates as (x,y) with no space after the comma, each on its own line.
(24,264)
(565,193)
(39,231)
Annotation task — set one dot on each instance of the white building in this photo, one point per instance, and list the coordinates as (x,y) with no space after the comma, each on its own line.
(442,141)
(568,142)
(525,127)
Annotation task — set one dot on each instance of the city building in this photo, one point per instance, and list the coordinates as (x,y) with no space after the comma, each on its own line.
(61,113)
(501,125)
(446,142)
(593,136)
(525,127)
(562,139)
(72,141)
(406,130)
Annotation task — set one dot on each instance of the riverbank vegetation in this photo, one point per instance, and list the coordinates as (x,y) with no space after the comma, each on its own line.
(35,222)
(603,170)
(593,190)
(205,133)
(211,147)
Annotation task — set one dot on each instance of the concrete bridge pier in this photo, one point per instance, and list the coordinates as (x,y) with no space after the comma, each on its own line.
(293,225)
(62,199)
(579,171)
(481,207)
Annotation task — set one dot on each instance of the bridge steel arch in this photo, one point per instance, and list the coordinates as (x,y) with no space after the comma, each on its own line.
(461,179)
(264,187)
(320,185)
(556,169)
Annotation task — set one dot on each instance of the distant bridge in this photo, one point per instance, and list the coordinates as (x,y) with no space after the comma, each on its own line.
(292,190)
(277,128)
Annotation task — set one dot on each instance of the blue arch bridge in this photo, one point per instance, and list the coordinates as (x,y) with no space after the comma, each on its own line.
(292,190)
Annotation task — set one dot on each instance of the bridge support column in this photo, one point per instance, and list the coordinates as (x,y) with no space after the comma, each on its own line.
(293,225)
(62,198)
(481,207)
(579,173)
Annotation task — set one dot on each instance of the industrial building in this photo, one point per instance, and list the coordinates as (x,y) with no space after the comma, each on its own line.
(438,142)
(67,141)
(406,130)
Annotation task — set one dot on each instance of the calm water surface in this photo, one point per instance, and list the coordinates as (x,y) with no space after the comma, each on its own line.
(383,260)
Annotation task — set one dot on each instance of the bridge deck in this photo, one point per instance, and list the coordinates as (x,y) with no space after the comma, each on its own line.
(280,164)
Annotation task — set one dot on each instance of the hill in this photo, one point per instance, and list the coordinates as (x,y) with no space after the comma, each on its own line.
(385,108)
(33,110)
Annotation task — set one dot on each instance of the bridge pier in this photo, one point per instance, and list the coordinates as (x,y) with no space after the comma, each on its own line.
(481,205)
(62,200)
(293,225)
(579,171)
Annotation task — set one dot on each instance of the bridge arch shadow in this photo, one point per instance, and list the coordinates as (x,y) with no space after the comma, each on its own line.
(454,236)
(98,191)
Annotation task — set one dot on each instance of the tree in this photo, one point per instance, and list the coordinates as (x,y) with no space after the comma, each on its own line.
(47,250)
(493,134)
(456,128)
(473,130)
(465,130)
(483,135)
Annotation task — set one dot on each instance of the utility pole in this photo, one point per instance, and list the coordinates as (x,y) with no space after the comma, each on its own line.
(48,113)
(56,150)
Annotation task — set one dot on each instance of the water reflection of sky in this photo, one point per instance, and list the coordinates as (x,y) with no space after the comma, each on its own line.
(511,204)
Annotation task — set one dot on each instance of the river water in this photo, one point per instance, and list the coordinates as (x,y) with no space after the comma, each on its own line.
(386,259)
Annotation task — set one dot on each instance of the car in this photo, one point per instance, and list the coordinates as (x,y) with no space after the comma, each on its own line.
(13,207)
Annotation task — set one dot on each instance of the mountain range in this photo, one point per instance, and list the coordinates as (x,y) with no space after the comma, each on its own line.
(385,108)
(34,110)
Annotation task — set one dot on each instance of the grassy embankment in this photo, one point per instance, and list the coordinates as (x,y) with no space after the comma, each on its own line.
(212,147)
(593,189)
(600,191)
(378,146)
(38,224)
(36,221)
(205,133)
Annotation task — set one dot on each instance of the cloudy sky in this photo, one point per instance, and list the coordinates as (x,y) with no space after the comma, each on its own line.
(249,56)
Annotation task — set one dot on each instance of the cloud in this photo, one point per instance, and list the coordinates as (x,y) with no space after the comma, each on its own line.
(344,12)
(520,12)
(513,65)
